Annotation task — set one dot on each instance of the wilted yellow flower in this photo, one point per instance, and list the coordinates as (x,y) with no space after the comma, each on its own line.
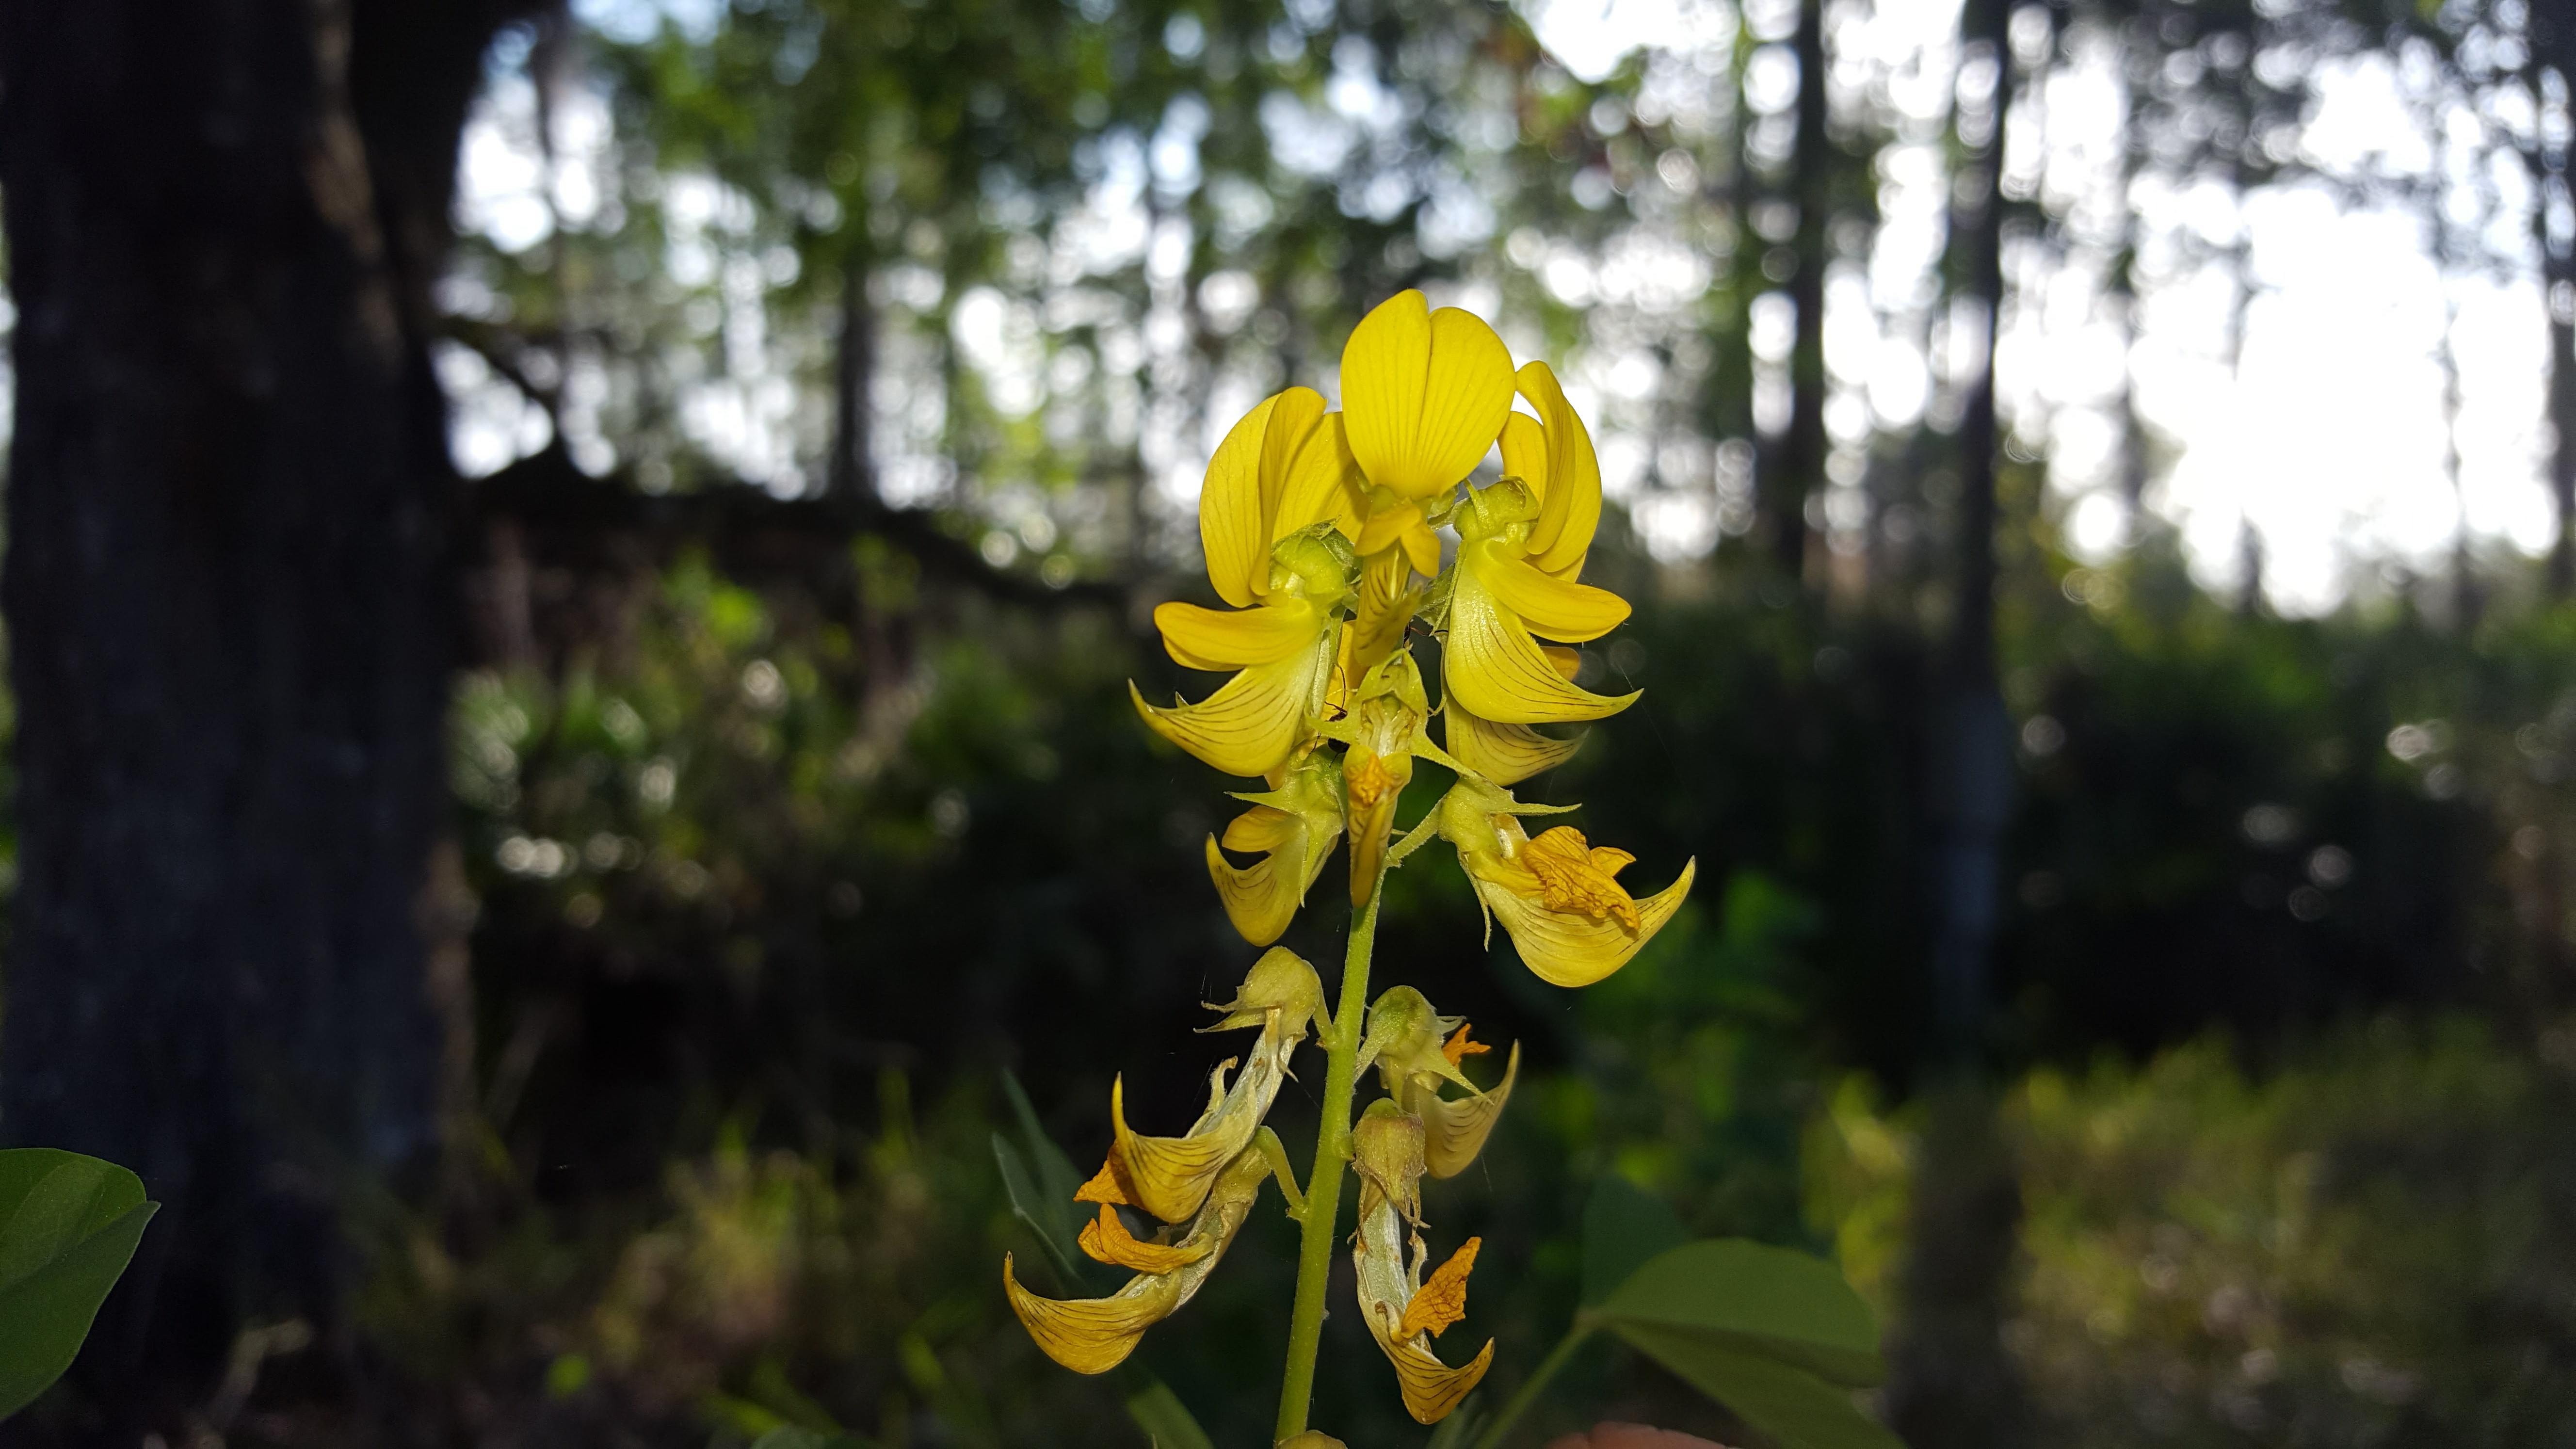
(1276,515)
(1402,1311)
(1384,730)
(1520,543)
(1095,1335)
(1415,1049)
(1170,1176)
(1292,829)
(1558,894)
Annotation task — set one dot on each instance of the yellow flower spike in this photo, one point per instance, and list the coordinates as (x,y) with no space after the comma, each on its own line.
(1404,1041)
(1285,649)
(1384,730)
(1424,394)
(1387,1148)
(1293,829)
(1095,1335)
(1491,665)
(1558,895)
(1170,1176)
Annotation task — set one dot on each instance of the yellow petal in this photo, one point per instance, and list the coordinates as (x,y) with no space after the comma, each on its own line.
(1442,1299)
(1432,1390)
(1233,531)
(1421,544)
(1230,639)
(1383,613)
(1574,876)
(1260,899)
(1108,1186)
(1106,1239)
(1322,484)
(1570,506)
(1385,529)
(1567,662)
(1424,394)
(1292,425)
(1553,607)
(1506,754)
(1570,948)
(1492,666)
(1454,1131)
(1252,724)
(1525,452)
(1168,1176)
(1093,1335)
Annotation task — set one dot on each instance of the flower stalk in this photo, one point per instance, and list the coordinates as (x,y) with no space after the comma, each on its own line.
(1323,1214)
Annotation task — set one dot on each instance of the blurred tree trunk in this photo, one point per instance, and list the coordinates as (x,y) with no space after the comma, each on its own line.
(228,592)
(2553,47)
(1953,1386)
(1795,461)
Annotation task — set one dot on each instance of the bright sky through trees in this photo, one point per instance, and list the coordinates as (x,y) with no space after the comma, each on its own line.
(2325,434)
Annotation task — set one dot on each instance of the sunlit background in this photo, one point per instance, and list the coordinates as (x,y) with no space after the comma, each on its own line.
(2338,367)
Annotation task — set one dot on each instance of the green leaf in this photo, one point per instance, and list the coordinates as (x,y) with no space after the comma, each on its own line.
(1167,1421)
(1057,1177)
(1754,1298)
(1623,1226)
(1037,1211)
(1788,1403)
(68,1227)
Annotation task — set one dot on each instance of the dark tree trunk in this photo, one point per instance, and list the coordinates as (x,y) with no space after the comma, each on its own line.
(1953,1385)
(228,592)
(1794,463)
(2553,47)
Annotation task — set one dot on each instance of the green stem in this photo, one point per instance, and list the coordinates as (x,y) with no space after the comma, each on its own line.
(1324,1183)
(1531,1387)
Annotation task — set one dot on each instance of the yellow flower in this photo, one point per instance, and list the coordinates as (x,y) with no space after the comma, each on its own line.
(1415,1050)
(1170,1176)
(1292,829)
(1521,542)
(1402,1311)
(1275,518)
(1095,1335)
(1384,731)
(1424,395)
(1558,894)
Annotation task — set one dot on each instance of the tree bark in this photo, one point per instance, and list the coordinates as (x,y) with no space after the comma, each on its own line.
(230,603)
(1794,462)
(1953,1384)
(2553,47)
